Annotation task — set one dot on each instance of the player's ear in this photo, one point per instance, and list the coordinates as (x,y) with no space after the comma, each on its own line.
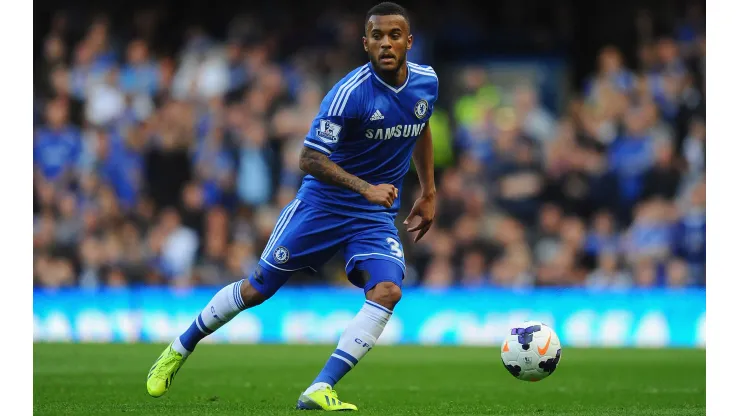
(411,40)
(364,43)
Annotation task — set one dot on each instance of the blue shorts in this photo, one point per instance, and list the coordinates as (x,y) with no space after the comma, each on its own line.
(306,237)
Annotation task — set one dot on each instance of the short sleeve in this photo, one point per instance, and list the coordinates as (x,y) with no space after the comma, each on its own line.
(435,90)
(339,110)
(427,85)
(435,96)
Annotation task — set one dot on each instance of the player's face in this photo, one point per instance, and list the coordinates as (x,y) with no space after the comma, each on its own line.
(386,41)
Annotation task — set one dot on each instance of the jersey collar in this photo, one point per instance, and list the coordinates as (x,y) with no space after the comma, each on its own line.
(394,89)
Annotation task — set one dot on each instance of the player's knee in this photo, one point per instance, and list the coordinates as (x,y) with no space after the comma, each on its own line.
(250,295)
(387,294)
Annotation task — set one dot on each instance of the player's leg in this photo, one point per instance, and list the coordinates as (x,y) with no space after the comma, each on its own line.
(225,305)
(289,249)
(381,277)
(228,302)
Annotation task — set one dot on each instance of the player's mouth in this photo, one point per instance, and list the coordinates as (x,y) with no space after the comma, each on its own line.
(387,58)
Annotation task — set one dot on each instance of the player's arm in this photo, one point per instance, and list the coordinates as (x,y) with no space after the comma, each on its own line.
(322,168)
(424,161)
(425,206)
(339,109)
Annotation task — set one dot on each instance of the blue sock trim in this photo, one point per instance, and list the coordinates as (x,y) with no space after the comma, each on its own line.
(333,371)
(190,338)
(238,296)
(381,307)
(202,326)
(343,354)
(185,344)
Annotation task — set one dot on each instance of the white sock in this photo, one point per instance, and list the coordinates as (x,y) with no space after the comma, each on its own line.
(364,330)
(359,337)
(222,308)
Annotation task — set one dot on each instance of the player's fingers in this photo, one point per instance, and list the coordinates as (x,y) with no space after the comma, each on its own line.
(423,223)
(411,215)
(422,232)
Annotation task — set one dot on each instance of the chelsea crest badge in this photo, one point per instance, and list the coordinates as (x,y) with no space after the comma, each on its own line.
(420,109)
(281,255)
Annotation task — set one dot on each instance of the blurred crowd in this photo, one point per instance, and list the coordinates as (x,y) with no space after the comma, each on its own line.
(157,168)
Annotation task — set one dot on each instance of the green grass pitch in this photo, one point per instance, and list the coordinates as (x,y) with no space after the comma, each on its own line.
(91,379)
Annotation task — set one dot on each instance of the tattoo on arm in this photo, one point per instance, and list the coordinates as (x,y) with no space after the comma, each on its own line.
(323,169)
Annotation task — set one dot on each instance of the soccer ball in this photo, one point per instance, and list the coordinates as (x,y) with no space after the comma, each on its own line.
(531,351)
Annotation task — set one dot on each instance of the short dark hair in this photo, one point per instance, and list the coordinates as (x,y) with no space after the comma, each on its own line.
(387,8)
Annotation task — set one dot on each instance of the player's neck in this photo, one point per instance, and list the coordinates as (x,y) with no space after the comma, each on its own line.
(393,78)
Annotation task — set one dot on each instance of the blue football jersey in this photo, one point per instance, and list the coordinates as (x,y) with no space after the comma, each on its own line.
(369,128)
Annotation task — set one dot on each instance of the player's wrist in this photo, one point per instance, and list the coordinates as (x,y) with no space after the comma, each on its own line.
(430,194)
(363,187)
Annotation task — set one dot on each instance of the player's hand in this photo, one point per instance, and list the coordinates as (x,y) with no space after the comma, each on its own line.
(383,194)
(424,208)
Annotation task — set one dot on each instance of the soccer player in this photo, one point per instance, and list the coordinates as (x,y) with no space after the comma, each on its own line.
(356,153)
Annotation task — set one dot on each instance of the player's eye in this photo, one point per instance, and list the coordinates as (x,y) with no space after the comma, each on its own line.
(376,36)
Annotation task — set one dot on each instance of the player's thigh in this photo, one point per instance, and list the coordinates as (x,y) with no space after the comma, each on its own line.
(303,238)
(379,243)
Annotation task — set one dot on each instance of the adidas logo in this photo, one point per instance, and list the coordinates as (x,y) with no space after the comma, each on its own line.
(377,115)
